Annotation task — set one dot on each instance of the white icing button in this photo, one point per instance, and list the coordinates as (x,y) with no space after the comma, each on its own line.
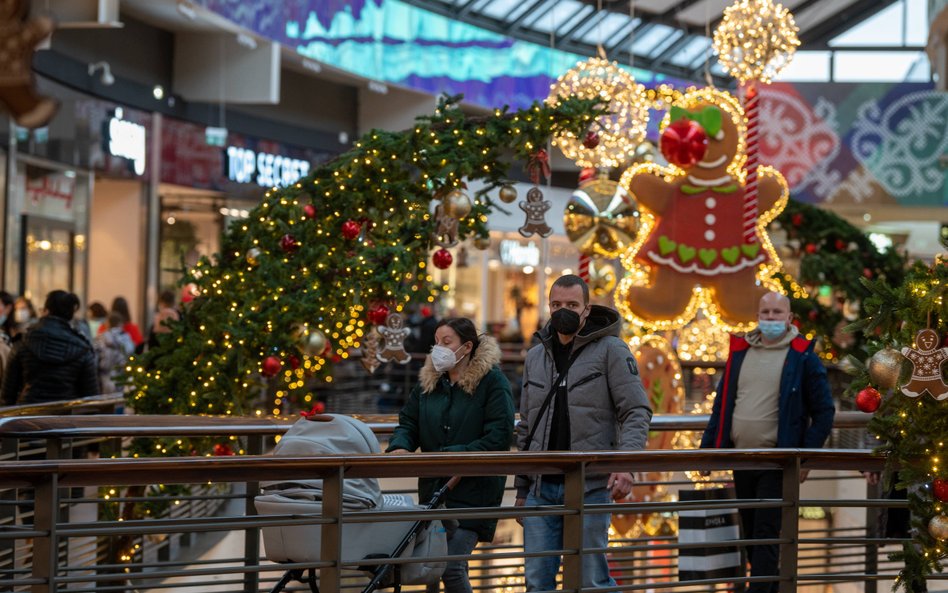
(709,235)
(710,202)
(709,219)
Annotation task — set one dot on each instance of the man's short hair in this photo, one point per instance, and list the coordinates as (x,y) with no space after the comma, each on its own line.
(567,280)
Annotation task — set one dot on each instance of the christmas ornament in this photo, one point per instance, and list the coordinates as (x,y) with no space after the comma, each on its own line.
(289,244)
(317,409)
(755,40)
(691,252)
(645,152)
(507,194)
(442,259)
(601,218)
(309,211)
(377,314)
(938,527)
(885,366)
(351,229)
(535,208)
(315,343)
(940,489)
(926,359)
(222,449)
(602,278)
(796,219)
(684,143)
(591,140)
(620,130)
(253,256)
(868,400)
(811,248)
(394,333)
(457,204)
(446,228)
(271,366)
(482,242)
(370,350)
(293,362)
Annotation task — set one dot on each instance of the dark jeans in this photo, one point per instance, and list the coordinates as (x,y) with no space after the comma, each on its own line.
(761,523)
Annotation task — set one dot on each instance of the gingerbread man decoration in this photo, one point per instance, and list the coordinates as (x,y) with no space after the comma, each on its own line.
(446,228)
(20,36)
(693,248)
(927,358)
(535,208)
(394,333)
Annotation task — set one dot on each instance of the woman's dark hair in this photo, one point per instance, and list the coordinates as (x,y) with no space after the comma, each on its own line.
(464,328)
(7,300)
(98,310)
(62,304)
(120,306)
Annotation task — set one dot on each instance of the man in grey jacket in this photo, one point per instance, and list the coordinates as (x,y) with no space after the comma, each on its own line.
(581,392)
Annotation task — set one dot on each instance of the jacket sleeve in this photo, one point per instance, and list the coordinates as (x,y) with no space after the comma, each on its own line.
(711,430)
(13,376)
(522,482)
(405,435)
(87,383)
(497,433)
(632,407)
(819,401)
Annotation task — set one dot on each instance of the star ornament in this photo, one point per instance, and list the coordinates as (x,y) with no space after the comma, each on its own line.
(601,218)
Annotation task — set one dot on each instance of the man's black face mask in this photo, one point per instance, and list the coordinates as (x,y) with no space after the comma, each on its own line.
(565,322)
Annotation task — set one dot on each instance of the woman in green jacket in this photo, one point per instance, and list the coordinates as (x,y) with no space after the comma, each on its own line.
(462,403)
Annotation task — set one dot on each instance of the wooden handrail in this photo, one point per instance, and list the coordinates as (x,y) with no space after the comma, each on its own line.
(83,405)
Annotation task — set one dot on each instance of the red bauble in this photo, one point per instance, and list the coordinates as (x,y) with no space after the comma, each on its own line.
(351,229)
(811,248)
(797,219)
(684,143)
(442,259)
(293,361)
(271,366)
(940,489)
(309,211)
(289,244)
(587,173)
(868,400)
(813,314)
(840,244)
(425,311)
(591,140)
(222,449)
(867,273)
(378,314)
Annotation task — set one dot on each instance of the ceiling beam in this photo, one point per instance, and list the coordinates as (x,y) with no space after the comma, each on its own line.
(847,18)
(514,25)
(672,49)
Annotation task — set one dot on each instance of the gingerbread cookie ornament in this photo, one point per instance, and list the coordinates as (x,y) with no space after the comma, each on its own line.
(927,359)
(20,35)
(393,335)
(535,208)
(691,251)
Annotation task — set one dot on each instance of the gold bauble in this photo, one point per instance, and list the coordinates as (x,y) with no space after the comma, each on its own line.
(457,204)
(508,194)
(602,278)
(645,152)
(885,366)
(601,218)
(253,256)
(938,527)
(482,242)
(315,343)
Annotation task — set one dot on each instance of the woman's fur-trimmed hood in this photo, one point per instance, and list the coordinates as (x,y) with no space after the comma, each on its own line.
(485,357)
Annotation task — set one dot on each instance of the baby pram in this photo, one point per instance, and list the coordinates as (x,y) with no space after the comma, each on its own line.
(334,434)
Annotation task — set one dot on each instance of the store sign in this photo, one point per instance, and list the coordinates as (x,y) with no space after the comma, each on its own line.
(267,170)
(126,139)
(512,253)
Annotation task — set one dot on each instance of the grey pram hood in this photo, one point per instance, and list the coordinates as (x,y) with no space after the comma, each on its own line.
(338,435)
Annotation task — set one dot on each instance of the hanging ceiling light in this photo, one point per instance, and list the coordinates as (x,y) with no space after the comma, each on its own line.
(756,40)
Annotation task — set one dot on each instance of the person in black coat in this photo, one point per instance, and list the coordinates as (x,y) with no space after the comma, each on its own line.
(53,361)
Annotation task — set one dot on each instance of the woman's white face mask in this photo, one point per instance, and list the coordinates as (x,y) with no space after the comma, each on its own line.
(443,358)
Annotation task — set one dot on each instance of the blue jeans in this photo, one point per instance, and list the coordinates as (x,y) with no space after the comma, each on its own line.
(455,579)
(546,533)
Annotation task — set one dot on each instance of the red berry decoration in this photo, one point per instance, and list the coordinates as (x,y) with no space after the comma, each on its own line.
(868,400)
(289,244)
(797,219)
(811,248)
(271,366)
(840,244)
(378,314)
(442,259)
(684,143)
(940,489)
(591,140)
(351,229)
(867,273)
(222,449)
(309,211)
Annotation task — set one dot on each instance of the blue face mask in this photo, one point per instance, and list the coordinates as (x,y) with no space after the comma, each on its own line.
(772,329)
(3,318)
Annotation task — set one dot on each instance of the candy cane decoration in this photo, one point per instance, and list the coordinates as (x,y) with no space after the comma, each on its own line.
(584,266)
(750,187)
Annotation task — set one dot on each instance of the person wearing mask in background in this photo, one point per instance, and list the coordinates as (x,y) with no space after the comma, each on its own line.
(120,306)
(462,403)
(581,392)
(53,361)
(112,348)
(97,317)
(24,316)
(773,393)
(166,314)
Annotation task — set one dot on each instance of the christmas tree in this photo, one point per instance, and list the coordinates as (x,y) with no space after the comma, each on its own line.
(302,280)
(907,324)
